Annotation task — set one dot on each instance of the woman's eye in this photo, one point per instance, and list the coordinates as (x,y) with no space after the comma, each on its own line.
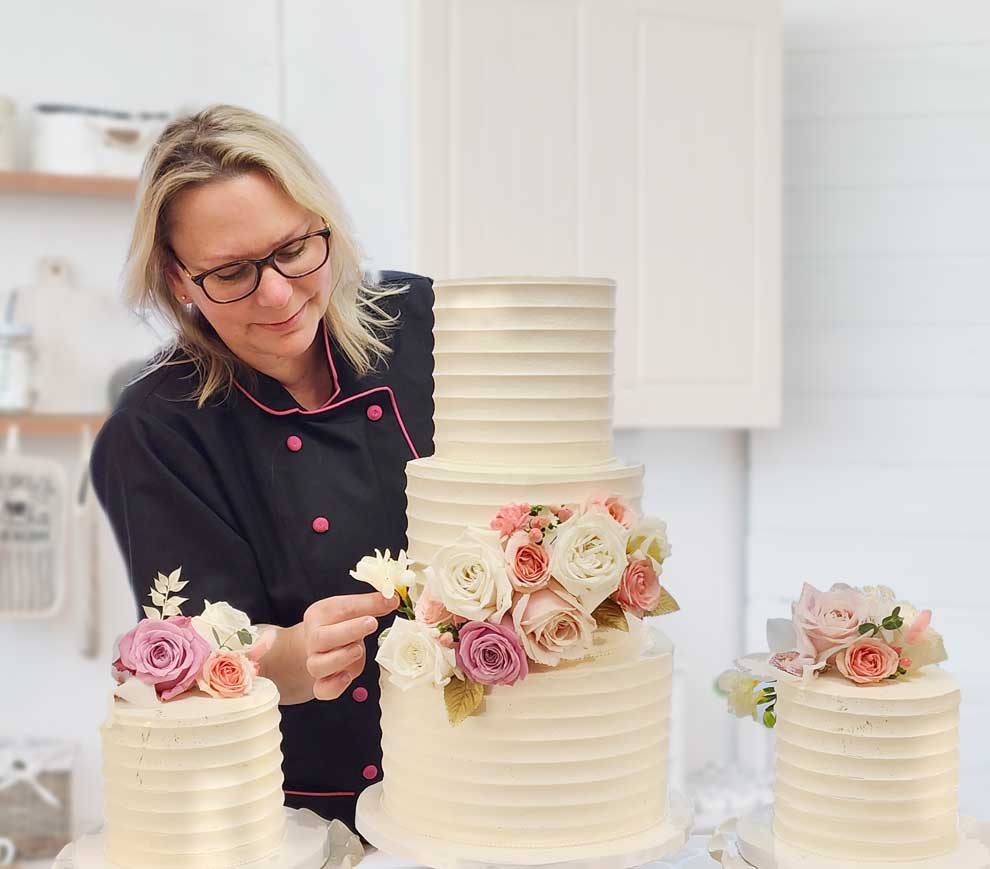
(233,274)
(293,251)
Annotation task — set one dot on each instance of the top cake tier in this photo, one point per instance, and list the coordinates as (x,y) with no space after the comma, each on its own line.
(523,371)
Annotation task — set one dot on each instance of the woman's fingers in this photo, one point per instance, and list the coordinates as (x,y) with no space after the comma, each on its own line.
(331,687)
(325,664)
(344,607)
(327,637)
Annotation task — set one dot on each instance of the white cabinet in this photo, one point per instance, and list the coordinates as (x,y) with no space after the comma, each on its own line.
(633,139)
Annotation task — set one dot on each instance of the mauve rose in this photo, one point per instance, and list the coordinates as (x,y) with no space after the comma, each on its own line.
(867,661)
(509,519)
(491,654)
(828,621)
(551,624)
(639,588)
(166,653)
(227,674)
(529,563)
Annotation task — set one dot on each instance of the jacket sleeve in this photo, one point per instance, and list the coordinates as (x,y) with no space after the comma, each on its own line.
(167,510)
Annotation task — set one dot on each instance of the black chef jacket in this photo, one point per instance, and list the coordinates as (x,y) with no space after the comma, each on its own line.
(268,506)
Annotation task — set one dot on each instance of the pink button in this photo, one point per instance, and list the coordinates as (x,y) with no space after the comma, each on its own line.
(370,772)
(374,413)
(321,524)
(360,694)
(294,443)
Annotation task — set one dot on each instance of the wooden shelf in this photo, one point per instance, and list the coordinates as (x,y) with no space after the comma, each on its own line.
(71,185)
(51,423)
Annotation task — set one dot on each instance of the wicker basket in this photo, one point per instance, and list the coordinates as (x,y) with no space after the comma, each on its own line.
(36,796)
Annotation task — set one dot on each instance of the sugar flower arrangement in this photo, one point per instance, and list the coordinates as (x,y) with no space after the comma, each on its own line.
(529,591)
(866,635)
(168,654)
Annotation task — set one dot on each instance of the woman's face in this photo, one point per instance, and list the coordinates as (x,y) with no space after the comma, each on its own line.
(247,217)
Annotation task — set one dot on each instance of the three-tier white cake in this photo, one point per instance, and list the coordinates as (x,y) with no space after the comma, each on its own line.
(571,763)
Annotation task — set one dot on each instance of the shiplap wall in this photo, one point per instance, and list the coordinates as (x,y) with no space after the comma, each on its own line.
(881,470)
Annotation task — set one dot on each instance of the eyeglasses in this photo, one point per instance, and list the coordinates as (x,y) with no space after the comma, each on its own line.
(234,281)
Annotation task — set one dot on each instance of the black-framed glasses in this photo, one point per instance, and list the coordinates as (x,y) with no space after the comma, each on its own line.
(236,280)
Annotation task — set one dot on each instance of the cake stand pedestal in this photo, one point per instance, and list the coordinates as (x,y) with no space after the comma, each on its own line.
(310,843)
(749,843)
(382,831)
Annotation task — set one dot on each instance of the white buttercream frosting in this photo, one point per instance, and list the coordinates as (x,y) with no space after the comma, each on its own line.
(868,773)
(195,782)
(569,756)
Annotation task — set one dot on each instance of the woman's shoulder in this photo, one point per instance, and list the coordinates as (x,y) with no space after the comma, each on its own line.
(407,291)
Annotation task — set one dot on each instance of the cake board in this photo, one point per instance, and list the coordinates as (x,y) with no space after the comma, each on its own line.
(749,843)
(310,843)
(382,831)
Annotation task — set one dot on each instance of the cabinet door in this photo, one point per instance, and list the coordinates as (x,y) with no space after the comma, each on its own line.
(631,139)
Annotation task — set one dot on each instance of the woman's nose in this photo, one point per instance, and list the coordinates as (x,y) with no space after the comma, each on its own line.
(274,291)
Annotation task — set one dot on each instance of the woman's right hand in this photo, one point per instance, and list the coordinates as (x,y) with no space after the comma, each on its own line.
(334,630)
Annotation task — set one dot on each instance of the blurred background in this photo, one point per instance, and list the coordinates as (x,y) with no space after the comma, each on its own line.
(790,195)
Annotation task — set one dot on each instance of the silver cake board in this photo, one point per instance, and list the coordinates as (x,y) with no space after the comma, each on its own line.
(390,837)
(310,843)
(749,843)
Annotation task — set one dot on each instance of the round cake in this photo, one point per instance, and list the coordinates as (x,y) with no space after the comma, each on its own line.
(195,782)
(869,772)
(571,756)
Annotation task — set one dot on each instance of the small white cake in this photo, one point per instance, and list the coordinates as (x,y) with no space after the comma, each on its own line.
(195,782)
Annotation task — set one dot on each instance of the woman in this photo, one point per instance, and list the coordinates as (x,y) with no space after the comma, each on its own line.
(265,452)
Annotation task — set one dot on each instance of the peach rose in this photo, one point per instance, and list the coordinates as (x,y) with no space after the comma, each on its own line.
(639,588)
(227,674)
(867,661)
(529,563)
(615,507)
(551,625)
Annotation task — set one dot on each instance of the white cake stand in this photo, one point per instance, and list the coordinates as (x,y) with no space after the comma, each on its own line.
(749,843)
(310,843)
(382,831)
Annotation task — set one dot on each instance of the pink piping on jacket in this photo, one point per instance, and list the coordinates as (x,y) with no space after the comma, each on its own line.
(319,794)
(329,404)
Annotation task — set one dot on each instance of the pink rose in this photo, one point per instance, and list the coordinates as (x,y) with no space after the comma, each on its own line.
(166,653)
(431,611)
(639,588)
(227,674)
(827,621)
(510,519)
(529,563)
(564,513)
(491,654)
(615,507)
(551,625)
(918,627)
(867,661)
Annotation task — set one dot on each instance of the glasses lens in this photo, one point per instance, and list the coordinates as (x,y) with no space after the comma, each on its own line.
(303,256)
(231,282)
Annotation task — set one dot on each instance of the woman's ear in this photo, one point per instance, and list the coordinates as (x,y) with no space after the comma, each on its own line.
(176,282)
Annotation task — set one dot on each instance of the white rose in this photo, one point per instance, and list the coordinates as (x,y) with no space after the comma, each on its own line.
(648,539)
(412,655)
(588,557)
(470,576)
(384,573)
(221,620)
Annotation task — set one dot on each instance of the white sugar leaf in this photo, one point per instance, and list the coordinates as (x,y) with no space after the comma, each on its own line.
(173,578)
(161,584)
(152,613)
(180,585)
(171,610)
(177,601)
(157,598)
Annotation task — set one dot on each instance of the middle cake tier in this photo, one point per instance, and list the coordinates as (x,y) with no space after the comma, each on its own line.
(445,497)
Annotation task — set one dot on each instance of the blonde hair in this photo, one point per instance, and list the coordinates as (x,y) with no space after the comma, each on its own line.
(223,142)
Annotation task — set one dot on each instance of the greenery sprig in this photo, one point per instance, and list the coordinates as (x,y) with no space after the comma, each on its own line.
(893,622)
(768,700)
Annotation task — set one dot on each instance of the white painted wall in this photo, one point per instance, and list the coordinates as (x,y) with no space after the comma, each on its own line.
(880,472)
(334,72)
